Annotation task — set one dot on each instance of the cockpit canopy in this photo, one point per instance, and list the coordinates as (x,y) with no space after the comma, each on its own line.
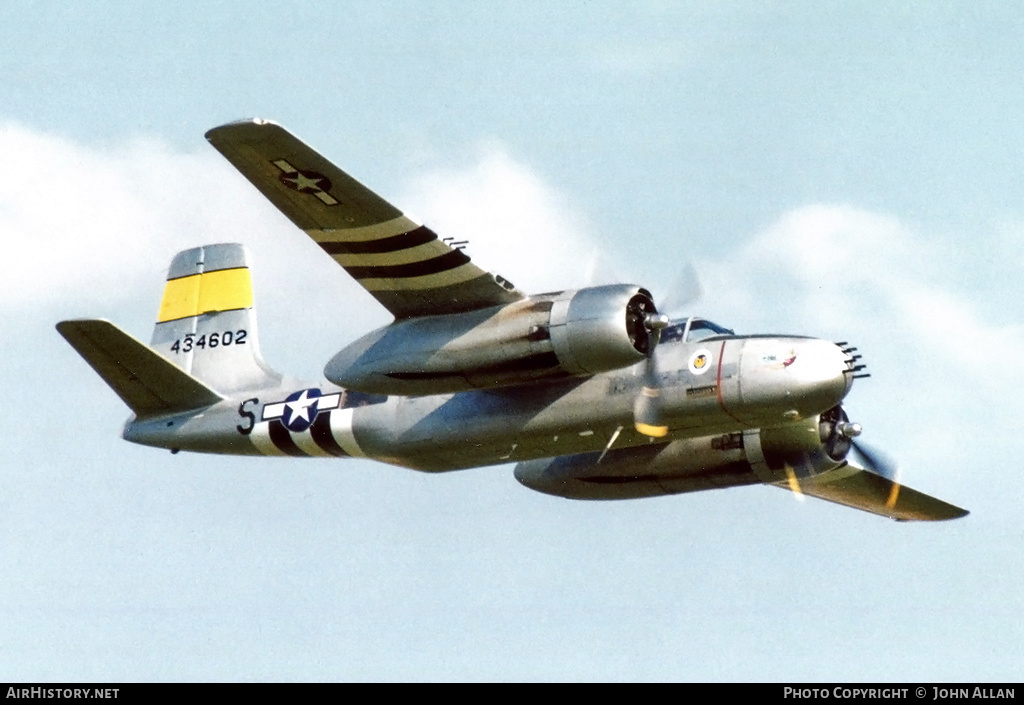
(692,330)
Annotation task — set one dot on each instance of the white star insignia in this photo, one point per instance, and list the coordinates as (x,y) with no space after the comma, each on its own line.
(301,182)
(300,407)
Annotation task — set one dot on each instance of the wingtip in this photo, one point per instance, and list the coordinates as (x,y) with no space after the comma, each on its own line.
(235,124)
(956,513)
(950,512)
(72,324)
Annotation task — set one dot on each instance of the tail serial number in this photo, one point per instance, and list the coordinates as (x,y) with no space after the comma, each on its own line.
(209,340)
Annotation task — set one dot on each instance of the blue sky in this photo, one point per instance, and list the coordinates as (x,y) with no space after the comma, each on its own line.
(845,171)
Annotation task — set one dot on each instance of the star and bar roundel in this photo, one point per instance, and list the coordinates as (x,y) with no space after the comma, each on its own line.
(440,259)
(306,181)
(298,412)
(302,425)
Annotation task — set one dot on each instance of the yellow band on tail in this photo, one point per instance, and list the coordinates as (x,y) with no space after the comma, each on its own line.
(221,290)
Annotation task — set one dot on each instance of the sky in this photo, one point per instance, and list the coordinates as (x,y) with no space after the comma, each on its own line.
(842,170)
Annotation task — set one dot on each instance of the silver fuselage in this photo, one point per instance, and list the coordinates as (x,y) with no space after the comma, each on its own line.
(718,385)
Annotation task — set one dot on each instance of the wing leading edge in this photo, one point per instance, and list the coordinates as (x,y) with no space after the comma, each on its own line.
(402,264)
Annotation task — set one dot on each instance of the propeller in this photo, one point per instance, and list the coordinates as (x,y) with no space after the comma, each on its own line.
(647,416)
(793,482)
(840,437)
(645,324)
(875,461)
(683,291)
(868,458)
(647,409)
(839,442)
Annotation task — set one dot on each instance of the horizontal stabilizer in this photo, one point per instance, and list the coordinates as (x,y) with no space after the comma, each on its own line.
(146,381)
(862,489)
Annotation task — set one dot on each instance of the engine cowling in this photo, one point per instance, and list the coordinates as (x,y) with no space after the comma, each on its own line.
(807,448)
(601,328)
(570,333)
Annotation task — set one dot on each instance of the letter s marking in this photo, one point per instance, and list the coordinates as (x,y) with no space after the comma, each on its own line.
(246,414)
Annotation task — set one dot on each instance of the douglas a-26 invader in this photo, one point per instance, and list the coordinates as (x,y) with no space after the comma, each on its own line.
(592,392)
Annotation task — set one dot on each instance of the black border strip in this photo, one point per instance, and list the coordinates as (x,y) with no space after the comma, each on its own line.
(444,263)
(402,241)
(320,431)
(208,271)
(205,313)
(281,438)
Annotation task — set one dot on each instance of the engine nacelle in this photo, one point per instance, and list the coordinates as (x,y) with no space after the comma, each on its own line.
(601,328)
(580,332)
(800,450)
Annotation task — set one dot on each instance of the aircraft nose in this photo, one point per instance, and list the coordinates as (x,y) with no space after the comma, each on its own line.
(794,377)
(820,373)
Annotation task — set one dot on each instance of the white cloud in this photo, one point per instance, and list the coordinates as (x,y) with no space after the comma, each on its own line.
(83,223)
(517,225)
(99,224)
(91,230)
(829,267)
(939,364)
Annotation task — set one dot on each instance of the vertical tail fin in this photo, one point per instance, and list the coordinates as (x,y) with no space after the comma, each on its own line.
(207,320)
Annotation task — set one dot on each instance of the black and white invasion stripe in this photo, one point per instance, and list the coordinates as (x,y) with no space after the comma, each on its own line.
(329,436)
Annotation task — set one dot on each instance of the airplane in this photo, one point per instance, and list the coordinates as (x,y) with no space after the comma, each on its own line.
(592,393)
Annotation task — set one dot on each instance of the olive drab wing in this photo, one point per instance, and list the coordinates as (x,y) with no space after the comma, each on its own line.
(402,264)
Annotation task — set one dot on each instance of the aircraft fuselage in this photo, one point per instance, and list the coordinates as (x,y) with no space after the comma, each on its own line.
(713,386)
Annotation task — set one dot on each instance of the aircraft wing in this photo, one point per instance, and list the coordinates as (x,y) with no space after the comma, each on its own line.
(404,265)
(856,487)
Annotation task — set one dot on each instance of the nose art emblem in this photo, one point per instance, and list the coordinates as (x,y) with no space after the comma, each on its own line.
(700,362)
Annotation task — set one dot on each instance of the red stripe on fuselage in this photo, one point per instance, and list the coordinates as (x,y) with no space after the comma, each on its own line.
(718,381)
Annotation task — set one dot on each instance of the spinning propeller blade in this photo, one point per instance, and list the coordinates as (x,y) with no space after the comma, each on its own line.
(647,416)
(647,410)
(685,289)
(794,483)
(876,462)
